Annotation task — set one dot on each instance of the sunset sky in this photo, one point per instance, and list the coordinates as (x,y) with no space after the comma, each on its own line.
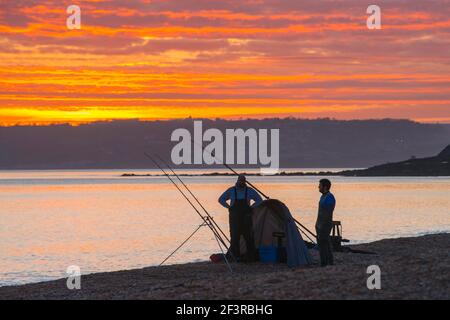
(155,59)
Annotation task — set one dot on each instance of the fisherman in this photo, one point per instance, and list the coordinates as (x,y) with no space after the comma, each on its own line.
(240,209)
(324,222)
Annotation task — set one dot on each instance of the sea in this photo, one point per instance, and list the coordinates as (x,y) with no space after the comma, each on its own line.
(99,221)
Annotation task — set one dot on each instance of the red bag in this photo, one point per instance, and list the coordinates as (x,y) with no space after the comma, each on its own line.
(216,258)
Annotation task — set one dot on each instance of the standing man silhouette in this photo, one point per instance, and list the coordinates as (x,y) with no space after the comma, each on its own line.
(324,222)
(240,217)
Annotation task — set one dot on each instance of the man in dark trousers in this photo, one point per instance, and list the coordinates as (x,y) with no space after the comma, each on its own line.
(240,211)
(324,222)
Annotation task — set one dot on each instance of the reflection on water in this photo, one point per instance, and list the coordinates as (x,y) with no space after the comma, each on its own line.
(101,221)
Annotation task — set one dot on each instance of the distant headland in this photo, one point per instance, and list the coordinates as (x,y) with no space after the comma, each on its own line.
(438,165)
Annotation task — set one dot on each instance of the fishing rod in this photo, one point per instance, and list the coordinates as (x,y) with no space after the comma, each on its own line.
(206,220)
(182,244)
(253,186)
(306,234)
(305,229)
(196,199)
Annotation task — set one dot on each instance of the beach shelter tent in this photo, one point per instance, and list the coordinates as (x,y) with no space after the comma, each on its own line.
(273,217)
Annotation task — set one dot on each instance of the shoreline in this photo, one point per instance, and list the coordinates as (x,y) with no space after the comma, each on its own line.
(226,174)
(284,174)
(411,268)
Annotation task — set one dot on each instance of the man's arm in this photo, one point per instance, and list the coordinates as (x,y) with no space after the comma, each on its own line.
(331,204)
(255,197)
(224,198)
(326,216)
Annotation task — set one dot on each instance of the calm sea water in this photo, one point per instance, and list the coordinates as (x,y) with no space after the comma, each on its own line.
(100,221)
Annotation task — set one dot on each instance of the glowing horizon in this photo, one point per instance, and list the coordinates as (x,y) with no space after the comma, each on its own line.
(152,60)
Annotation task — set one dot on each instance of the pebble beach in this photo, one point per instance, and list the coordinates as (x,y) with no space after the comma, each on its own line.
(411,268)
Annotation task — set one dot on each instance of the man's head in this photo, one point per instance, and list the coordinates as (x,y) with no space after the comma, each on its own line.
(324,186)
(241,181)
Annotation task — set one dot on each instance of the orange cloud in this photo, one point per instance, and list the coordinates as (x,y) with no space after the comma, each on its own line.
(160,59)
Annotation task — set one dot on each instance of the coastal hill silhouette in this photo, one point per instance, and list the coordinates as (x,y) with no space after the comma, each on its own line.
(320,143)
(438,165)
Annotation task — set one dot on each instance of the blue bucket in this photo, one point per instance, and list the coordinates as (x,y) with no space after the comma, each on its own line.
(268,254)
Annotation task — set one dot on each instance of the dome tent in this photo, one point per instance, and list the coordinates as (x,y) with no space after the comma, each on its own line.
(273,217)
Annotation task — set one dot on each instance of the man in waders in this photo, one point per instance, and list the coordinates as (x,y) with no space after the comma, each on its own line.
(240,211)
(324,222)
